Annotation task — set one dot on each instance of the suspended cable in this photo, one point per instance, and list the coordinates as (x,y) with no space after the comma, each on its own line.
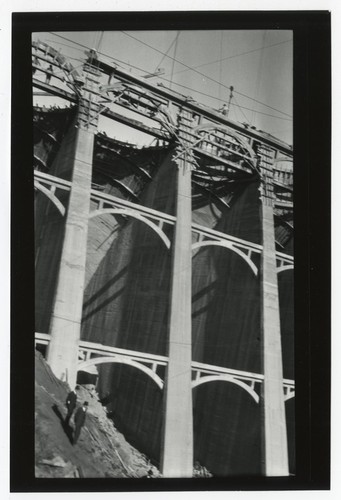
(258,79)
(65,44)
(220,63)
(217,99)
(95,39)
(233,56)
(140,69)
(241,110)
(169,48)
(197,91)
(203,74)
(167,80)
(174,58)
(111,58)
(69,57)
(100,41)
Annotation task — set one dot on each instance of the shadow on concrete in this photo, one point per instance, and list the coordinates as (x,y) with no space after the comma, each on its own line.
(66,427)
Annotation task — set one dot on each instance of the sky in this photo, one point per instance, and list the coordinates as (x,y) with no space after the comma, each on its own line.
(202,64)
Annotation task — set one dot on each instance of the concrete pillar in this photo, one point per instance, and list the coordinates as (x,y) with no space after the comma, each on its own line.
(65,325)
(66,318)
(275,445)
(177,438)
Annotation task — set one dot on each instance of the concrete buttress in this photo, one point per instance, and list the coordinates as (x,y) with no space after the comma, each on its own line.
(76,160)
(275,446)
(177,438)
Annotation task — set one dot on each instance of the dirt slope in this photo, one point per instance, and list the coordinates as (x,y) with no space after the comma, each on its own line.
(101,450)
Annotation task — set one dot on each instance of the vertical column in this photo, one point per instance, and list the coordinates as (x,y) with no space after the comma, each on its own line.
(273,410)
(65,325)
(177,438)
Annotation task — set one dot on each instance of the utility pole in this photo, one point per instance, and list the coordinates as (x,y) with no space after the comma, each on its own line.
(275,445)
(74,161)
(230,99)
(177,435)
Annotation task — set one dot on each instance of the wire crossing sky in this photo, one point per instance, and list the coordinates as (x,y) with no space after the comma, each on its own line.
(204,74)
(206,64)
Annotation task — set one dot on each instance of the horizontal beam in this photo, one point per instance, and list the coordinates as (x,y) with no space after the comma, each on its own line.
(103,349)
(221,160)
(137,125)
(284,204)
(56,91)
(207,113)
(97,348)
(130,122)
(155,214)
(201,110)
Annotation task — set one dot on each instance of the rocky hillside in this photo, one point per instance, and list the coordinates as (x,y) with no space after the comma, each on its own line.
(101,450)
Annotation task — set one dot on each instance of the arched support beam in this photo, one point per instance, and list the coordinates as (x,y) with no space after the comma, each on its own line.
(229,246)
(226,378)
(289,395)
(286,267)
(120,88)
(227,131)
(51,196)
(136,215)
(121,360)
(159,111)
(57,59)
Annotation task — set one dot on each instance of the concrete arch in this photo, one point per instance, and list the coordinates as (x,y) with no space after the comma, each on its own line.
(122,360)
(167,121)
(51,196)
(288,396)
(136,215)
(226,378)
(285,267)
(229,246)
(129,87)
(239,139)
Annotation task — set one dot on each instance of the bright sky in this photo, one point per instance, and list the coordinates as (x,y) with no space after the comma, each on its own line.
(258,64)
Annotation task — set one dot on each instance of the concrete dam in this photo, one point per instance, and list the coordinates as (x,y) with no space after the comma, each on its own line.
(113,222)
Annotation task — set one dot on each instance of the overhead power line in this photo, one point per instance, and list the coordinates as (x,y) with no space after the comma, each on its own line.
(217,99)
(220,65)
(98,52)
(175,48)
(165,55)
(241,109)
(233,56)
(203,74)
(169,81)
(259,78)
